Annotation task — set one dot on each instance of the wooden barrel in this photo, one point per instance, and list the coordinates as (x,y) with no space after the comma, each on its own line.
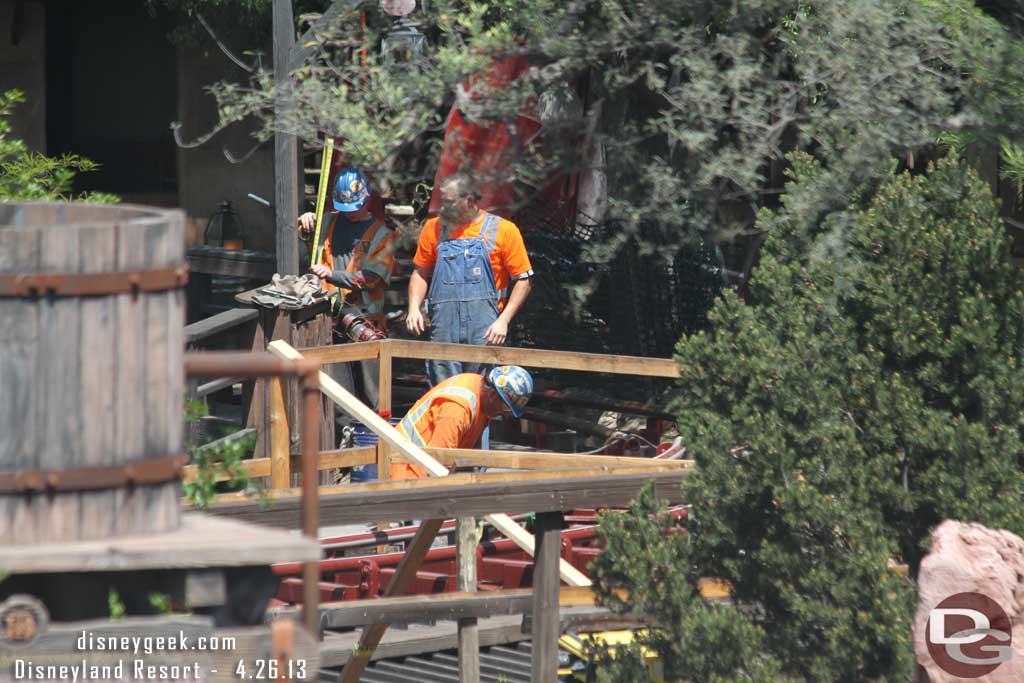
(92,315)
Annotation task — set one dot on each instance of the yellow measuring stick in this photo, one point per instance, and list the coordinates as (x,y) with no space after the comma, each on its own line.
(321,197)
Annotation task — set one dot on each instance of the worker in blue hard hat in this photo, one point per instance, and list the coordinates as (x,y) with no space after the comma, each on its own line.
(357,258)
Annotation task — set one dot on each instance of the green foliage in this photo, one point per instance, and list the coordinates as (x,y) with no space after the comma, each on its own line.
(218,468)
(695,104)
(1011,156)
(30,176)
(863,396)
(115,604)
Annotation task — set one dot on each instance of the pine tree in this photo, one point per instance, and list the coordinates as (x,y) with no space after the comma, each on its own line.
(865,395)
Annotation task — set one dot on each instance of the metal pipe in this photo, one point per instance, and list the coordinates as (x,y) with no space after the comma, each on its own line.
(243,364)
(310,495)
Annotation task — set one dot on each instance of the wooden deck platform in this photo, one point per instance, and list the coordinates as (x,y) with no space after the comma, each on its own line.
(201,541)
(336,648)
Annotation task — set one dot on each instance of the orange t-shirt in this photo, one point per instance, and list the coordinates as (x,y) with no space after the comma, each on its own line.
(509,259)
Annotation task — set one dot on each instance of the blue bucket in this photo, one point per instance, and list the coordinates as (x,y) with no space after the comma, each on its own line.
(363,436)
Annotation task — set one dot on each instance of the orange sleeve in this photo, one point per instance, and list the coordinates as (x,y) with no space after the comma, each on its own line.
(451,420)
(426,248)
(513,250)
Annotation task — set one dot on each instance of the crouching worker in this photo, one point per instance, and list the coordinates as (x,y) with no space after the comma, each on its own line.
(455,412)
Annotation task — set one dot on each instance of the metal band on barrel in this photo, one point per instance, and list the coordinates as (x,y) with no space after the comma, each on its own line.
(93,284)
(154,471)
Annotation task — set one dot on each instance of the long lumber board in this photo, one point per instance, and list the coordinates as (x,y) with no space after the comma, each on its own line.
(394,438)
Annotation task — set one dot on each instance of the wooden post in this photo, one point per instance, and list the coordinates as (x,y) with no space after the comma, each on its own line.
(548,537)
(286,149)
(280,460)
(384,404)
(399,585)
(469,632)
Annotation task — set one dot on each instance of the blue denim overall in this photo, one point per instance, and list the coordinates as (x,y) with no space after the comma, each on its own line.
(463,296)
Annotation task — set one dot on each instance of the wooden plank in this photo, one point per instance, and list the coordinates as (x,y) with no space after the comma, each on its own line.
(216,324)
(347,457)
(460,495)
(342,353)
(255,395)
(280,460)
(336,649)
(20,423)
(393,437)
(174,390)
(536,358)
(57,387)
(163,386)
(260,467)
(465,479)
(542,460)
(384,406)
(398,585)
(407,609)
(216,385)
(201,541)
(129,397)
(286,149)
(548,529)
(469,631)
(256,467)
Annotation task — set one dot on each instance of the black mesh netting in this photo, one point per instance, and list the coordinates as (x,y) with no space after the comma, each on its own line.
(640,307)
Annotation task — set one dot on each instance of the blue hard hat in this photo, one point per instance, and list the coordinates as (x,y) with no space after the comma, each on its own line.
(514,385)
(351,190)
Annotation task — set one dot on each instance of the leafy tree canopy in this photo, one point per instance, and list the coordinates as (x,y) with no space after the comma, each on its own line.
(858,401)
(695,103)
(30,176)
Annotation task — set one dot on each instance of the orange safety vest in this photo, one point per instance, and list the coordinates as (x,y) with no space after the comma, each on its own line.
(418,424)
(375,253)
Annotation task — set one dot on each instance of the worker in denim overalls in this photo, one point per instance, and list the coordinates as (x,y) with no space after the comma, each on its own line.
(464,295)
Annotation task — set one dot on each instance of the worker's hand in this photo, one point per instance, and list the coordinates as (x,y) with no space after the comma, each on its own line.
(307,225)
(321,271)
(496,333)
(414,321)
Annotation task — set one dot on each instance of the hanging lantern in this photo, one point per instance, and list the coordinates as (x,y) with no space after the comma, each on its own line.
(225,228)
(403,45)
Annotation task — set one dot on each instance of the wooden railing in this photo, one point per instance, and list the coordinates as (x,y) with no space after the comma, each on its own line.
(560,481)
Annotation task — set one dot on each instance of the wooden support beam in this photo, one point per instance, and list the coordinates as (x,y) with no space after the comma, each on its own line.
(499,355)
(542,460)
(342,353)
(536,358)
(216,324)
(260,467)
(347,457)
(394,438)
(280,458)
(384,406)
(462,494)
(407,609)
(546,633)
(469,631)
(399,584)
